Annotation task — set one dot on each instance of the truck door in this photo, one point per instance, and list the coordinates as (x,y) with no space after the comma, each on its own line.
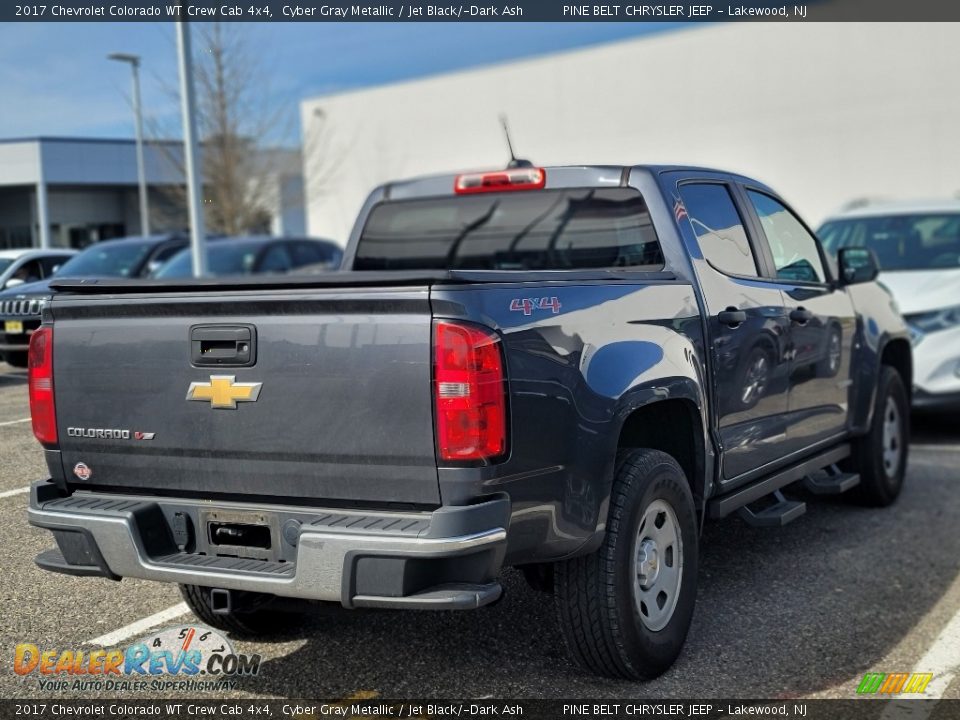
(822,325)
(747,326)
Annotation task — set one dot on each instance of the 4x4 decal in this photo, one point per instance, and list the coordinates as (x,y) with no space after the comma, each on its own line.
(528,305)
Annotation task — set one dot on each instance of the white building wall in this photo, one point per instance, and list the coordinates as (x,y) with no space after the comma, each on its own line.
(824,112)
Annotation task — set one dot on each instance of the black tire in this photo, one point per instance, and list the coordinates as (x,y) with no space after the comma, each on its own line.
(881,479)
(597,603)
(251,617)
(829,365)
(17,359)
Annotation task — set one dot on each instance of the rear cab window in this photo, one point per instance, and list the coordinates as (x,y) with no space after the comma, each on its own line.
(554,229)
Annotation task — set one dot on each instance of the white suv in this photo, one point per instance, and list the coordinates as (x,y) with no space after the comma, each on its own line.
(918,247)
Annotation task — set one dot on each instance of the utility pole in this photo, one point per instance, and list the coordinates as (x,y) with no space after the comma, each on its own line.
(134,62)
(198,239)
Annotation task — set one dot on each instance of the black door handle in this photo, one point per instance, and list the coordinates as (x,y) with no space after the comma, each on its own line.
(732,317)
(801,316)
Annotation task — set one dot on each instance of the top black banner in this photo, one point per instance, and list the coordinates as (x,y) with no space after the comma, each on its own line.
(497,11)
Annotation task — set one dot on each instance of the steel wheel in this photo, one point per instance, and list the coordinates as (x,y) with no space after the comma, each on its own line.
(892,437)
(657,565)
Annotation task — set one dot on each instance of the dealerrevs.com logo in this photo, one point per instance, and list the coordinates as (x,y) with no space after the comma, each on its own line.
(182,658)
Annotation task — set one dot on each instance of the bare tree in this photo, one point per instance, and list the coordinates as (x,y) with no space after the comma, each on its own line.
(241,124)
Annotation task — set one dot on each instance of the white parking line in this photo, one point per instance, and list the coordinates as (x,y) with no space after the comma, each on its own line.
(925,446)
(14,422)
(943,660)
(11,493)
(135,628)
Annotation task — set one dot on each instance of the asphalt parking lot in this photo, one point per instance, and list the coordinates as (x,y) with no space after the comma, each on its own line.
(800,612)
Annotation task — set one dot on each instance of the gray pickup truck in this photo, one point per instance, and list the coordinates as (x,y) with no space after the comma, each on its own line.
(566,370)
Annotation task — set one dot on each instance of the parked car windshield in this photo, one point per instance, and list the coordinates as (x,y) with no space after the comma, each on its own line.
(4,264)
(923,241)
(529,230)
(223,258)
(107,260)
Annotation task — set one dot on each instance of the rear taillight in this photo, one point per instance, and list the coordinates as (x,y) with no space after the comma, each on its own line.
(469,392)
(513,179)
(40,364)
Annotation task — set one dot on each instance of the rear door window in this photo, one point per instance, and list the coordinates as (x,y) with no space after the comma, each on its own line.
(570,228)
(719,228)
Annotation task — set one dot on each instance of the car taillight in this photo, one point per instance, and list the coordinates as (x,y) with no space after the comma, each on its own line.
(513,179)
(40,374)
(469,392)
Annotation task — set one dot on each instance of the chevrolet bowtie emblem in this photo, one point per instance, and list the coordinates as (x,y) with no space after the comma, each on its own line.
(223,392)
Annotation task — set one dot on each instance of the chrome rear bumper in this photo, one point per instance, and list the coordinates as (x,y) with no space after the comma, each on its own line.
(356,558)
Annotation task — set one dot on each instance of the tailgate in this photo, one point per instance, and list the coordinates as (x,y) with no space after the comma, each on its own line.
(333,402)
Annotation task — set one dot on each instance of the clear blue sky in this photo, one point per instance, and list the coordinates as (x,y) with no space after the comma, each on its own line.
(55,80)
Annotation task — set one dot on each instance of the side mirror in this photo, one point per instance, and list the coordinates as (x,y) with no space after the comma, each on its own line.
(13,282)
(857,265)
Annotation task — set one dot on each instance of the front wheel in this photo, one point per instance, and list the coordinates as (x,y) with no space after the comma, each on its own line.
(880,456)
(625,609)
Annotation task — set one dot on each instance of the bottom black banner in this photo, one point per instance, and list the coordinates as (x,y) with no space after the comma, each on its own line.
(860,709)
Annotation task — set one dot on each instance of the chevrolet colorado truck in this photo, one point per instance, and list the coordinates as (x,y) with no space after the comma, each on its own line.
(564,369)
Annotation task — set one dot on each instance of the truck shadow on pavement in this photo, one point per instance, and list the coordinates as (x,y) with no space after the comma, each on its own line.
(780,613)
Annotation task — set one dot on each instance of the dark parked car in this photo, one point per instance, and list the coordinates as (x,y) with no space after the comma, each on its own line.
(532,367)
(125,257)
(257,254)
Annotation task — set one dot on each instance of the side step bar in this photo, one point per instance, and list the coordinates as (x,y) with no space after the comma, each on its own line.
(726,504)
(831,481)
(778,514)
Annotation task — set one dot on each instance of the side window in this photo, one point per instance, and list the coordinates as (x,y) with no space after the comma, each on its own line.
(161,256)
(29,271)
(795,253)
(718,228)
(275,260)
(308,253)
(167,252)
(49,265)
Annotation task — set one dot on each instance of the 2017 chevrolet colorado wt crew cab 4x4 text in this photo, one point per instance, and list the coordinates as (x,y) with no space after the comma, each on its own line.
(564,369)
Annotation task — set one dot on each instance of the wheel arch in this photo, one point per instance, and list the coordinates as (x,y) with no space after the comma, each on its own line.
(898,354)
(674,425)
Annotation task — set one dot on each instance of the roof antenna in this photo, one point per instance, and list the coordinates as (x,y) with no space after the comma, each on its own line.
(515,162)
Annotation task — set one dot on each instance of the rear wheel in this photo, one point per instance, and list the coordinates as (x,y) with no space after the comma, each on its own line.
(880,456)
(625,609)
(251,615)
(17,359)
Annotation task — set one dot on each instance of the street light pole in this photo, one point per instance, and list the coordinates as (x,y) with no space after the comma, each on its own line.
(134,62)
(198,240)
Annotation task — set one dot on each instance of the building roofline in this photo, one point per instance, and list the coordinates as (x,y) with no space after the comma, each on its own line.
(99,141)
